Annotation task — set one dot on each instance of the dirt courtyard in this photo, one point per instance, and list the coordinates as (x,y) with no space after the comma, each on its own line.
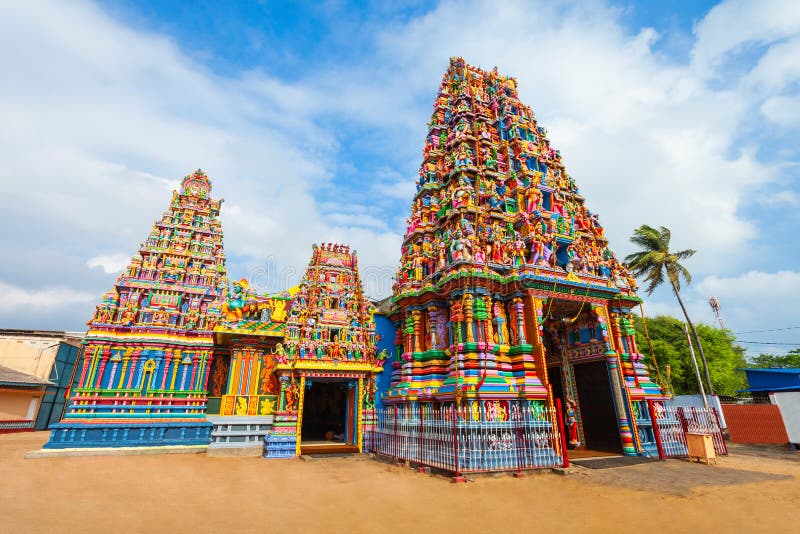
(751,490)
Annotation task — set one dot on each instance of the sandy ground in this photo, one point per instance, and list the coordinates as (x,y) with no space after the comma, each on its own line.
(752,490)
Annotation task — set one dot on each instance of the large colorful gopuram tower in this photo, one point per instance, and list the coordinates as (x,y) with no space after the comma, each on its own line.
(508,296)
(148,351)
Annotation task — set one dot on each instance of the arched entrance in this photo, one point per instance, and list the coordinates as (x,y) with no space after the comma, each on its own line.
(579,377)
(328,423)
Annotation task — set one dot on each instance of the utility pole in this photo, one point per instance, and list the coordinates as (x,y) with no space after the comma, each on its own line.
(714,303)
(696,368)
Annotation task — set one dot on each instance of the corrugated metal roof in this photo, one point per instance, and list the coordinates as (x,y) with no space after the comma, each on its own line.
(766,389)
(11,377)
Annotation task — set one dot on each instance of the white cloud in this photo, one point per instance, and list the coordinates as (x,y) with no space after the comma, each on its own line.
(782,110)
(18,299)
(778,67)
(732,24)
(110,263)
(756,286)
(401,189)
(781,198)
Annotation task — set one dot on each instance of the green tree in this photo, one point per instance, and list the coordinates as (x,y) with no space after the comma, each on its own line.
(655,262)
(672,353)
(790,359)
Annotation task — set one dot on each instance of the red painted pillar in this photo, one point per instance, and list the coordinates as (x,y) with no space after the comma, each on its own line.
(132,370)
(194,370)
(656,431)
(87,357)
(101,370)
(560,420)
(166,358)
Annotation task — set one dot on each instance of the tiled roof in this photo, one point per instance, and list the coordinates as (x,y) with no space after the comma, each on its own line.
(11,377)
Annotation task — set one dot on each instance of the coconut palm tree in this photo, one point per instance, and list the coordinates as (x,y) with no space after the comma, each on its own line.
(656,263)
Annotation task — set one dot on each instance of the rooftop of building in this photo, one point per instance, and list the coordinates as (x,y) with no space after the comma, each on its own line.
(73,338)
(11,377)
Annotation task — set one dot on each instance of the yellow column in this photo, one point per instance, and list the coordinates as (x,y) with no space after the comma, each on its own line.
(360,415)
(176,358)
(125,359)
(255,373)
(468,315)
(300,403)
(489,330)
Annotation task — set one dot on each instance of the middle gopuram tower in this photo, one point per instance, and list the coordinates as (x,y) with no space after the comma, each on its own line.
(327,364)
(507,290)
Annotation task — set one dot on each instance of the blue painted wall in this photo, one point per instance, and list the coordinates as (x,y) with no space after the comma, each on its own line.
(386,329)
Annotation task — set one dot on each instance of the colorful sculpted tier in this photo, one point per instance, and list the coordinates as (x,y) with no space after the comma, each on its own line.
(148,350)
(331,319)
(506,278)
(493,192)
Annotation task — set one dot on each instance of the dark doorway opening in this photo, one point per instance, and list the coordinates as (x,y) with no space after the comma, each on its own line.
(556,384)
(325,412)
(596,404)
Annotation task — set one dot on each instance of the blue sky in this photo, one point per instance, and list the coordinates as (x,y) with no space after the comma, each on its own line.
(310,120)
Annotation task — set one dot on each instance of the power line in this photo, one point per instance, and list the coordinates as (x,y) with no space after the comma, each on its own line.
(768,343)
(770,330)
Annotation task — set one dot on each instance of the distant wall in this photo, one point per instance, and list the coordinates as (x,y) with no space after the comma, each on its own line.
(19,404)
(696,401)
(755,423)
(789,404)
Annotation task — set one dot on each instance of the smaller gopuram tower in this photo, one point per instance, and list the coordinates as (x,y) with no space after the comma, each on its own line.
(508,300)
(327,365)
(148,350)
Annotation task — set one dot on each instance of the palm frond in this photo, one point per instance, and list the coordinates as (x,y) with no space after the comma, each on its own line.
(664,237)
(684,272)
(655,277)
(646,237)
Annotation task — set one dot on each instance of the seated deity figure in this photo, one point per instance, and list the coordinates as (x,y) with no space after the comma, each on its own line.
(463,158)
(160,316)
(480,255)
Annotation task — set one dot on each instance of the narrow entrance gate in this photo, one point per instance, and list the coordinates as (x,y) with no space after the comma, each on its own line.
(328,423)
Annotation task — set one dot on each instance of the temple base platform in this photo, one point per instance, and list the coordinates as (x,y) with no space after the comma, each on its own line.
(128,434)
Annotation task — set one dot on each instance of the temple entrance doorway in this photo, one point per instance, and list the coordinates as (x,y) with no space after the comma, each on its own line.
(579,378)
(596,405)
(328,417)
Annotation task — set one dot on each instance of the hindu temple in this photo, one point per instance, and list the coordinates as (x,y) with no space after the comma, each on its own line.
(509,314)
